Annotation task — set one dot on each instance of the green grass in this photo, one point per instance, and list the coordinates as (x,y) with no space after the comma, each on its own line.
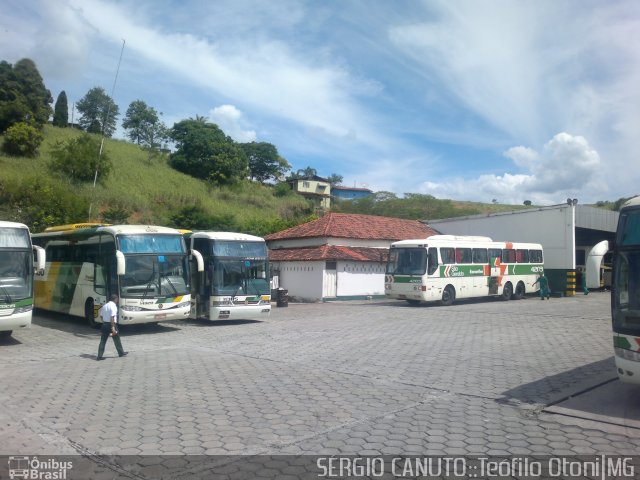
(151,191)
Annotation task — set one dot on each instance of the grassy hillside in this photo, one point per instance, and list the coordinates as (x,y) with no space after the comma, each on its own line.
(138,189)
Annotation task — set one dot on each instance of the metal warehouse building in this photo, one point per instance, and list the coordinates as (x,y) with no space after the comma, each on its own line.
(575,238)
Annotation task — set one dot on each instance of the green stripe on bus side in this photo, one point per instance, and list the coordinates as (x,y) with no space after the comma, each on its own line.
(398,279)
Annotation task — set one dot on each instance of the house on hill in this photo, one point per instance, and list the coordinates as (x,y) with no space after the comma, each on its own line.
(315,188)
(339,256)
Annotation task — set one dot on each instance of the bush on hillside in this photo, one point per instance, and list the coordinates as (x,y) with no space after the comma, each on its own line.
(22,140)
(41,203)
(79,158)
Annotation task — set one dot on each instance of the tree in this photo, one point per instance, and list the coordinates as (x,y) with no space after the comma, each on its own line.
(335,179)
(61,111)
(22,139)
(80,158)
(145,128)
(204,151)
(98,112)
(23,96)
(527,203)
(264,161)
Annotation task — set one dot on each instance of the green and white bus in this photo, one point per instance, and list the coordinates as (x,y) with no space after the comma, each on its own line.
(625,293)
(146,266)
(444,268)
(16,276)
(235,281)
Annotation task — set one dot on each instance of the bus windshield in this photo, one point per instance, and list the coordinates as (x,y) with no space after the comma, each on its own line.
(239,249)
(150,243)
(629,228)
(14,238)
(239,277)
(407,261)
(15,274)
(155,275)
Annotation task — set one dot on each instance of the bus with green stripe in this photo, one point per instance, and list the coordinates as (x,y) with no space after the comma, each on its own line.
(625,293)
(17,268)
(443,268)
(146,266)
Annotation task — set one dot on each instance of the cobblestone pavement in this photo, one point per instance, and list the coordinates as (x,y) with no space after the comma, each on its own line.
(340,378)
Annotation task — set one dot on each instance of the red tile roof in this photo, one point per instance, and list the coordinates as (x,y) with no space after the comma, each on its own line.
(362,227)
(329,252)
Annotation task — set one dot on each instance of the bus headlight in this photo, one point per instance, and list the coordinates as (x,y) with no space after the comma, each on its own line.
(28,308)
(183,305)
(627,354)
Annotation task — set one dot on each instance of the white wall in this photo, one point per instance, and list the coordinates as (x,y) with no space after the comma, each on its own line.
(553,227)
(360,278)
(301,279)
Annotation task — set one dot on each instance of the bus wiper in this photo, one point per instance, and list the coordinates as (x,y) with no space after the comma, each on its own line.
(153,274)
(7,295)
(175,290)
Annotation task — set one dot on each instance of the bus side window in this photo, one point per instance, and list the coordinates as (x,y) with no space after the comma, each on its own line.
(480,255)
(522,256)
(508,255)
(535,256)
(432,264)
(448,255)
(463,255)
(495,253)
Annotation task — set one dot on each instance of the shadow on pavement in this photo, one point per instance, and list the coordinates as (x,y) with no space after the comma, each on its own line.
(8,341)
(218,323)
(555,388)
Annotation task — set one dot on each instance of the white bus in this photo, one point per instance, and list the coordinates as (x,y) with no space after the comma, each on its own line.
(446,267)
(16,276)
(146,266)
(625,293)
(235,281)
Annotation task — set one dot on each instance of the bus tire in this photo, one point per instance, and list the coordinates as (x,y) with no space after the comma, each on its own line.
(414,303)
(507,291)
(88,313)
(519,293)
(448,296)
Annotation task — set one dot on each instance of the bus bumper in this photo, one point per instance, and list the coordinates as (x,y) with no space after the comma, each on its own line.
(128,317)
(15,321)
(240,312)
(628,370)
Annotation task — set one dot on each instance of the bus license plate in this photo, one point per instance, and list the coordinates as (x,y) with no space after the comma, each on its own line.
(160,316)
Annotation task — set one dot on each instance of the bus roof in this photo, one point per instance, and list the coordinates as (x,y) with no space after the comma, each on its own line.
(461,240)
(227,236)
(12,225)
(83,228)
(632,202)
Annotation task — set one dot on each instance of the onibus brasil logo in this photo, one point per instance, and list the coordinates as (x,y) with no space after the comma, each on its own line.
(33,468)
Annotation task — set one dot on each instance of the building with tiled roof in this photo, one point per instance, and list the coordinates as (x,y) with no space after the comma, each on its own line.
(338,256)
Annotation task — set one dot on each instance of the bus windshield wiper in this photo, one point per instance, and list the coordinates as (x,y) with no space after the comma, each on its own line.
(7,295)
(153,274)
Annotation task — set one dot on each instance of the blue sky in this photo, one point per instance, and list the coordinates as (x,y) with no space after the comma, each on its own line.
(470,100)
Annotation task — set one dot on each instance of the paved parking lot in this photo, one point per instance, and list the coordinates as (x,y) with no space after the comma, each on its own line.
(341,378)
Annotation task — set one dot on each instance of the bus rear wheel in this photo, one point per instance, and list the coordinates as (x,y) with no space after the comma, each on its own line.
(448,296)
(507,291)
(519,293)
(88,314)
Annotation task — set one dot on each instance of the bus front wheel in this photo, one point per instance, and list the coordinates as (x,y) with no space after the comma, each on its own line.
(519,293)
(507,291)
(448,296)
(88,313)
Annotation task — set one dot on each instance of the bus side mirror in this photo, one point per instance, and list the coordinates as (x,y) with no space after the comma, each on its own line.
(40,260)
(198,257)
(120,263)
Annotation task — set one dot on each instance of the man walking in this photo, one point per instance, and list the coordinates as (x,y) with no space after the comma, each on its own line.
(109,314)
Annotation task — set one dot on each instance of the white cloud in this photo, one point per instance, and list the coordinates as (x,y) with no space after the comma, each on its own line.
(229,119)
(566,166)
